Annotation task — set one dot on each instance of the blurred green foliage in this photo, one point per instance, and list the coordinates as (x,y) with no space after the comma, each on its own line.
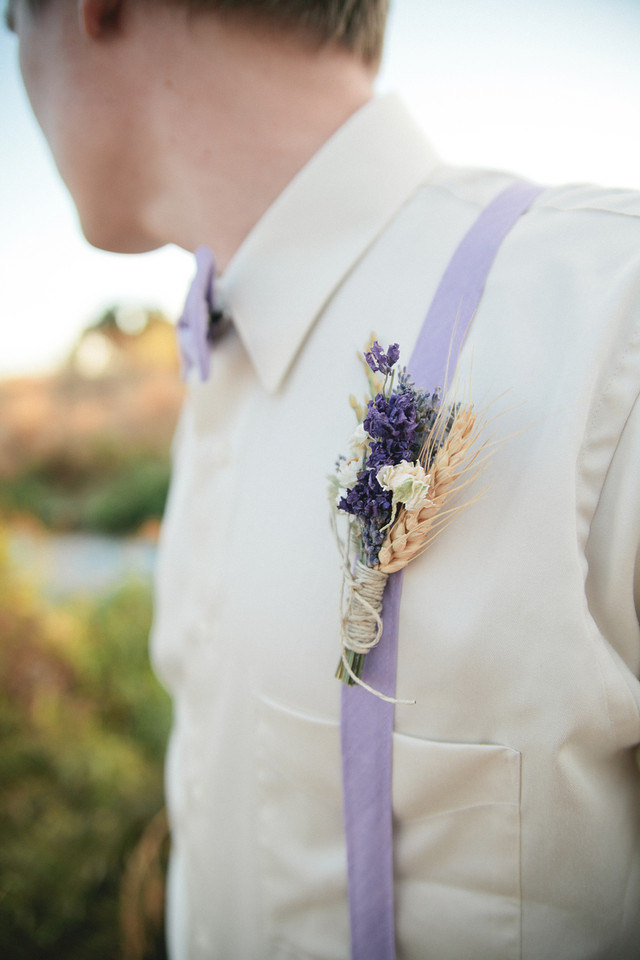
(105,487)
(83,724)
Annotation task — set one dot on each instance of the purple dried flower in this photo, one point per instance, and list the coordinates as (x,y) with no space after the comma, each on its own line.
(392,423)
(393,354)
(379,361)
(391,417)
(367,499)
(372,539)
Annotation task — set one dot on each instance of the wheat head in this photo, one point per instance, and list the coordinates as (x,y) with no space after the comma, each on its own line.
(449,471)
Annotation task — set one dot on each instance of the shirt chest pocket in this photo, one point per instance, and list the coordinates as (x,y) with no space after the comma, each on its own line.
(457,844)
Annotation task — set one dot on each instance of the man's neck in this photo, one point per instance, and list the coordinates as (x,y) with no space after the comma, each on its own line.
(233,116)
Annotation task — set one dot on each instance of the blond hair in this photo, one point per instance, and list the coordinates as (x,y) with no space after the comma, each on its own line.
(357,25)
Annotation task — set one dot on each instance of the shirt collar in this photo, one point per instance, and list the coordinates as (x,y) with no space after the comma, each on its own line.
(301,249)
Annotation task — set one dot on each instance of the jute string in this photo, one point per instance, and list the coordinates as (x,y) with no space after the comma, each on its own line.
(361,620)
(361,613)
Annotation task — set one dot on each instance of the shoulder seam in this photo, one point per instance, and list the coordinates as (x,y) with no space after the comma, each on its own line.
(586,207)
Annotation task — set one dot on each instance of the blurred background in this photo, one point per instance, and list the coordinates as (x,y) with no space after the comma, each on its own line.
(89,396)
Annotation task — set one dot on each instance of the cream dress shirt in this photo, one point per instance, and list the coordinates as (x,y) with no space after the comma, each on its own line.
(516,792)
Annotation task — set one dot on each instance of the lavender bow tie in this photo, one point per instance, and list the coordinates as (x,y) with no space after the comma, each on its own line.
(202,321)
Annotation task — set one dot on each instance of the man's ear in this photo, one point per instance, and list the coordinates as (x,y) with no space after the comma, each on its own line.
(99,17)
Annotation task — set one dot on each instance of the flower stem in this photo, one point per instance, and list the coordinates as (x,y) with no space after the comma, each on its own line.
(356,662)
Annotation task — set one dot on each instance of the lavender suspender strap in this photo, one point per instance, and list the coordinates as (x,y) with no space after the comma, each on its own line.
(367,722)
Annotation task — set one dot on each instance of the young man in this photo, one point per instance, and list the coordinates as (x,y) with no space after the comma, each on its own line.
(251,128)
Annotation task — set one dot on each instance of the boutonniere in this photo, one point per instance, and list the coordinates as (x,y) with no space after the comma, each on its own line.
(409,455)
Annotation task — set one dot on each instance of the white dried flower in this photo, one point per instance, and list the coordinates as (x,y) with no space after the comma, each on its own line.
(359,442)
(347,473)
(407,481)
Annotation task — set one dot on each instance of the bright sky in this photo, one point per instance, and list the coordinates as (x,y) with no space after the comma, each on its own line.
(545,88)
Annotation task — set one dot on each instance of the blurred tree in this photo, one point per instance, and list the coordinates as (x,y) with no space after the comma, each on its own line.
(83,723)
(88,446)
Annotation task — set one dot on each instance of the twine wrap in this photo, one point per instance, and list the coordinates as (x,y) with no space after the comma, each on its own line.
(361,617)
(361,601)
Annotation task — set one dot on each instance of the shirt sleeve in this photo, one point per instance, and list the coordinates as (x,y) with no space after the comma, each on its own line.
(613,549)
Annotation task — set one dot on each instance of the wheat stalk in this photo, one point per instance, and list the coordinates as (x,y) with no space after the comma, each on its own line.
(450,471)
